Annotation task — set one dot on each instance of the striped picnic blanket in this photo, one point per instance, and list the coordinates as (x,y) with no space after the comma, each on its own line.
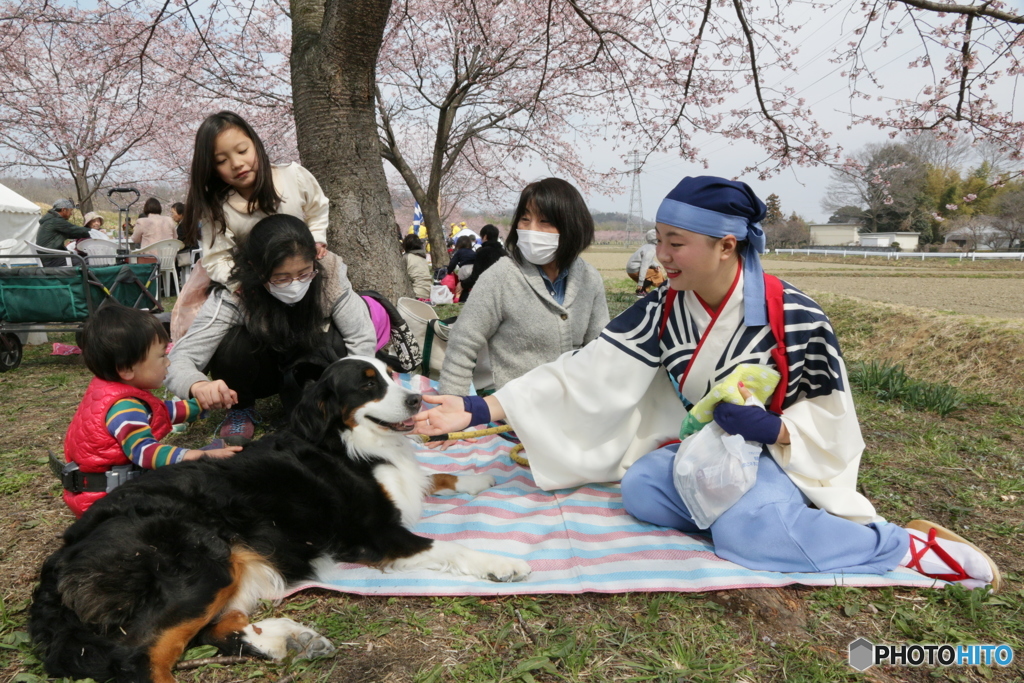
(576,540)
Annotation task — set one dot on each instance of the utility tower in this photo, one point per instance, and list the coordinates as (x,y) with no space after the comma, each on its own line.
(635,221)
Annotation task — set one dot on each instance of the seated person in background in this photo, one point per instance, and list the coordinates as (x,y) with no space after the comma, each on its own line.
(542,302)
(94,224)
(55,229)
(153,227)
(463,256)
(288,308)
(486,256)
(643,262)
(416,266)
(116,431)
(177,214)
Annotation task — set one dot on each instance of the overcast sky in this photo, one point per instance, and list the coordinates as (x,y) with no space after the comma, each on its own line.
(819,82)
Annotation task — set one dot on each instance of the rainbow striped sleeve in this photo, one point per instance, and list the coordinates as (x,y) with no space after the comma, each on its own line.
(128,422)
(183,411)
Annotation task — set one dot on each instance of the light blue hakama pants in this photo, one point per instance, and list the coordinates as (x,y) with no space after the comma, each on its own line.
(772,527)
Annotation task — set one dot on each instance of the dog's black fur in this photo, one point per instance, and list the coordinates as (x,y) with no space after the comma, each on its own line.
(165,549)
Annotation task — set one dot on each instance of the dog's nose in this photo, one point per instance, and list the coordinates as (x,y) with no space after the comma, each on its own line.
(412,401)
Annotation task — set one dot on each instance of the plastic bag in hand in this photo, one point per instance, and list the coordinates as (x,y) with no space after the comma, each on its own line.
(712,471)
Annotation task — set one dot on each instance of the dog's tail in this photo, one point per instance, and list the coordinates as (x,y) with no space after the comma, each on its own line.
(70,647)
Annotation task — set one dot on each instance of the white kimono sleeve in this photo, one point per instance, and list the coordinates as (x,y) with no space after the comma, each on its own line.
(588,415)
(824,453)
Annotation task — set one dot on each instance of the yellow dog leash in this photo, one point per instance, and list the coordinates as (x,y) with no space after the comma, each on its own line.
(458,436)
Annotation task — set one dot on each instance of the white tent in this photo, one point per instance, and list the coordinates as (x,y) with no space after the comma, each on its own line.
(19,220)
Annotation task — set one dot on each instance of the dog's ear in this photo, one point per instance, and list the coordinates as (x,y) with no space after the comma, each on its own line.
(315,413)
(306,372)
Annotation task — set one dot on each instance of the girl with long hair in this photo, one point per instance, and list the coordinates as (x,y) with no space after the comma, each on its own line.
(287,308)
(232,186)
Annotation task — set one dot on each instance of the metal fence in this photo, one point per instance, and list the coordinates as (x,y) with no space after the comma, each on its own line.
(897,255)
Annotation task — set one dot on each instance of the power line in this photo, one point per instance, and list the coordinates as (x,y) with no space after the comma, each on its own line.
(635,221)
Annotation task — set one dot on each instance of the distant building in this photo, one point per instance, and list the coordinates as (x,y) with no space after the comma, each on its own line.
(980,238)
(906,240)
(849,235)
(834,234)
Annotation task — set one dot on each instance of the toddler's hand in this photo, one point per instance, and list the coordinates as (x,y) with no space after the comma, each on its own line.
(226,452)
(321,250)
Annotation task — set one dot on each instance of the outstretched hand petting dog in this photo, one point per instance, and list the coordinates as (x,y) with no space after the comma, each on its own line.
(451,415)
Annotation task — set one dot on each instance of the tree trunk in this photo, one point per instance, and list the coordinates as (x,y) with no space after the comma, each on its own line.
(83,192)
(435,232)
(334,56)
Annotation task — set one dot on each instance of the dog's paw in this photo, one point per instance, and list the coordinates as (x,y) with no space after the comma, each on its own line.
(279,638)
(473,483)
(503,569)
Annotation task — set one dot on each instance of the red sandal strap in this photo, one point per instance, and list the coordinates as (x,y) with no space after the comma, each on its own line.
(931,544)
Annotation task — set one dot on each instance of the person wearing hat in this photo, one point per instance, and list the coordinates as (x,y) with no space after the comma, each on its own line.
(55,229)
(606,412)
(643,261)
(93,222)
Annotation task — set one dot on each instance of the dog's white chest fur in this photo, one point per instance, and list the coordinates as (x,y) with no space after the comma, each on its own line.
(406,484)
(401,477)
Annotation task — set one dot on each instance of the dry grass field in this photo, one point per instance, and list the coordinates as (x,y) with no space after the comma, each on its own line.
(986,288)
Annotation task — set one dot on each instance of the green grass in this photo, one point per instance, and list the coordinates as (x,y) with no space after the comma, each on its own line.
(891,383)
(963,469)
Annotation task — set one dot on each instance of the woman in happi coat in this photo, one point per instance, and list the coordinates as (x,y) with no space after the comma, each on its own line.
(604,413)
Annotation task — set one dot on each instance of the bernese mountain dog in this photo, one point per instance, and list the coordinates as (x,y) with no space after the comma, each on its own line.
(181,555)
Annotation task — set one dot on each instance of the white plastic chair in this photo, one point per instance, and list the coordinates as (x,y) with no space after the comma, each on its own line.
(166,252)
(56,252)
(194,256)
(101,252)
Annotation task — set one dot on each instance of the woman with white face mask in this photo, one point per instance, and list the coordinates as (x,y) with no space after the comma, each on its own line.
(288,307)
(543,301)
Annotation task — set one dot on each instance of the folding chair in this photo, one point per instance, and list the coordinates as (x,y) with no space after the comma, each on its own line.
(166,252)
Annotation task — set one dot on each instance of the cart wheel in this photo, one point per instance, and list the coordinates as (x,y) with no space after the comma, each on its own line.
(10,352)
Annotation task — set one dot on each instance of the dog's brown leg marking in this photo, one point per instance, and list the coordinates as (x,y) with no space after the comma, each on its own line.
(233,621)
(440,482)
(170,644)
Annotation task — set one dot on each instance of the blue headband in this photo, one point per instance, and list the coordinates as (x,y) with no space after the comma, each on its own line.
(715,224)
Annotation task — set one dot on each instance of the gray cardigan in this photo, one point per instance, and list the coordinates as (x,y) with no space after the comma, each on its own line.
(192,353)
(512,313)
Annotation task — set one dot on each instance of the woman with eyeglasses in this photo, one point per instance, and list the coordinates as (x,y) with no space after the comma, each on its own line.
(288,308)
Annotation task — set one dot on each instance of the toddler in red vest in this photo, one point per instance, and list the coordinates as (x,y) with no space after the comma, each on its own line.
(116,431)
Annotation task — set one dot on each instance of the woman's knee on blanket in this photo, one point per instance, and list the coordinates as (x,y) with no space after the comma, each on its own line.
(649,494)
(764,537)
